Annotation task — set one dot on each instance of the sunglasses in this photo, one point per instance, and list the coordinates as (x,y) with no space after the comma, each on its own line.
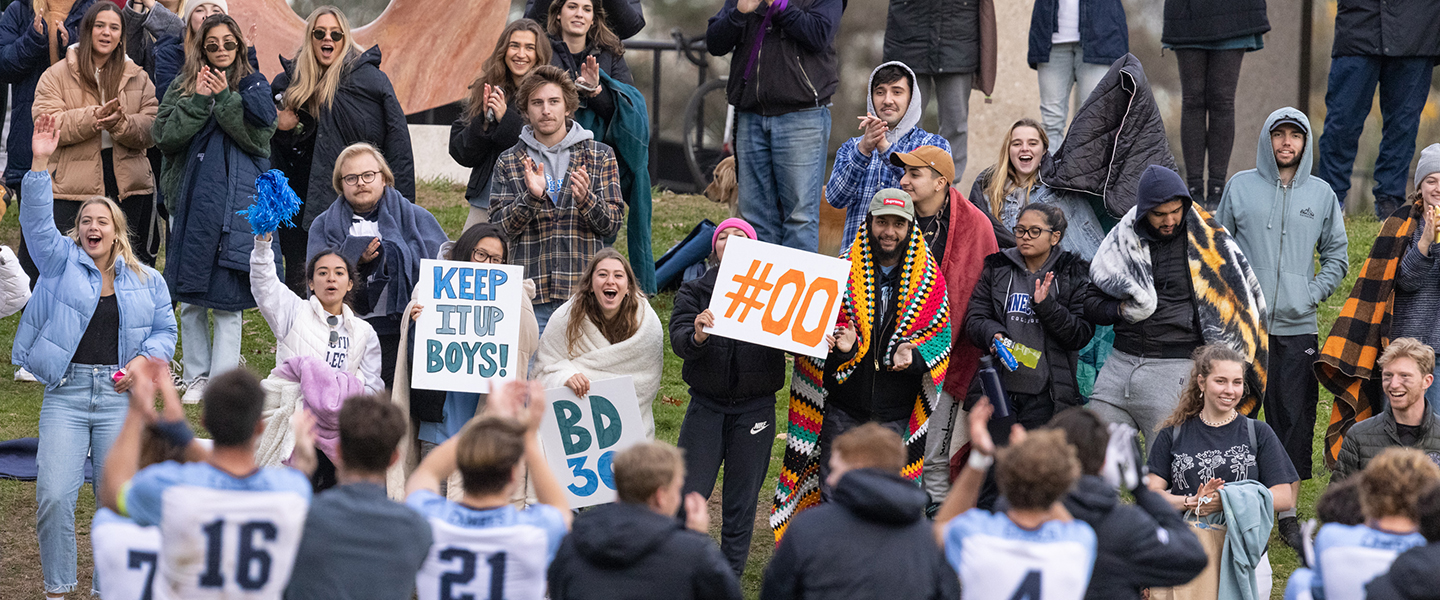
(335,36)
(333,321)
(228,46)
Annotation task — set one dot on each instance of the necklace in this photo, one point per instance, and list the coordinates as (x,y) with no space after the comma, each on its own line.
(1227,420)
(933,229)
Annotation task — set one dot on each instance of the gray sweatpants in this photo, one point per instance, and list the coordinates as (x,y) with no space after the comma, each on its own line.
(1140,392)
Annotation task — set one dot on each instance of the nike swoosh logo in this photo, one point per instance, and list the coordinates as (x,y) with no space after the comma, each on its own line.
(759,427)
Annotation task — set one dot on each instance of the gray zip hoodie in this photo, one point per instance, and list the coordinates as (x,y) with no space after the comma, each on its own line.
(1280,227)
(555,158)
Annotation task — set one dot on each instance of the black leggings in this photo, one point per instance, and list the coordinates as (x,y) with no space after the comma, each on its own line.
(1208,79)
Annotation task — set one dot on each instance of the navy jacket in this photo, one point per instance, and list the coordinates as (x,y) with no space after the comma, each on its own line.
(1104,36)
(1387,28)
(1207,21)
(872,542)
(1140,545)
(365,109)
(797,67)
(720,370)
(24,55)
(626,551)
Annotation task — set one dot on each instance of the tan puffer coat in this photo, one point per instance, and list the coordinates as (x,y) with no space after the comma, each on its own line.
(75,166)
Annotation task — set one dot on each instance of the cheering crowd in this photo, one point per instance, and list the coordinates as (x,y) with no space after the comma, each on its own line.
(1049,389)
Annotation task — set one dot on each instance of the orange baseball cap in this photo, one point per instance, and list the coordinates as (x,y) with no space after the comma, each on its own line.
(927,156)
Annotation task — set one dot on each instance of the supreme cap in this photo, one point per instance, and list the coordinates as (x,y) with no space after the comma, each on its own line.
(891,201)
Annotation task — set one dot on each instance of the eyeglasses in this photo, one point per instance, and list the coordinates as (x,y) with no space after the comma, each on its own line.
(367,177)
(228,46)
(333,321)
(482,256)
(335,35)
(1033,232)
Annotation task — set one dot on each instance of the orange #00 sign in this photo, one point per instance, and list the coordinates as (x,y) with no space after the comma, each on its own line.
(778,297)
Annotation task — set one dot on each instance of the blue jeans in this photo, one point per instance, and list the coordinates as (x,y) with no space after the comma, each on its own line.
(1404,85)
(779,168)
(201,357)
(81,417)
(1066,70)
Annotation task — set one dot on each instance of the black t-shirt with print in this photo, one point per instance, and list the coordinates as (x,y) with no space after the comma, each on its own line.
(1224,452)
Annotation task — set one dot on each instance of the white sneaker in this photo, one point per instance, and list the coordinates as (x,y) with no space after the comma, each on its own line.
(22,375)
(194,392)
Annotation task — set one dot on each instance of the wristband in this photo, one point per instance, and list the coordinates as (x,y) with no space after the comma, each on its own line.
(979,461)
(176,433)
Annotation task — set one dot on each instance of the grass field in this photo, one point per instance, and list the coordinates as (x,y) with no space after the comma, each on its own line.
(674,215)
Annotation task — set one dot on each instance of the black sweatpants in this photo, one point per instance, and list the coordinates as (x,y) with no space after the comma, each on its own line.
(1291,396)
(742,442)
(1031,411)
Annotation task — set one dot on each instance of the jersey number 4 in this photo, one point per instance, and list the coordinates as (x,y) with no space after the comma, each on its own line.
(1029,588)
(252,570)
(467,562)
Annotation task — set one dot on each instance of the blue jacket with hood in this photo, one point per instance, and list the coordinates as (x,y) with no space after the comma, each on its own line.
(68,290)
(1280,227)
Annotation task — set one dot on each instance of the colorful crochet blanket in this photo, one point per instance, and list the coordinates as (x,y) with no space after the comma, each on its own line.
(923,319)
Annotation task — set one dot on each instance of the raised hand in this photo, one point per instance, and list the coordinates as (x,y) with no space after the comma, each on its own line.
(534,177)
(1042,290)
(580,183)
(874,136)
(302,423)
(845,338)
(43,142)
(978,420)
(697,514)
(495,101)
(590,74)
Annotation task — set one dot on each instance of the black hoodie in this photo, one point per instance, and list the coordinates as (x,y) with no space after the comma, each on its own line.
(1138,546)
(871,541)
(1411,576)
(627,551)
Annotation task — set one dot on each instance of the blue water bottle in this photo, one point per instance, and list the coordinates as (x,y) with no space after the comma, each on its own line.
(990,381)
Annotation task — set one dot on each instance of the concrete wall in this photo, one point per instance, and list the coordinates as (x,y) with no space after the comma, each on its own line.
(431,144)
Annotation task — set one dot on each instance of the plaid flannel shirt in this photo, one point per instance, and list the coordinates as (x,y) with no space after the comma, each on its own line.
(555,244)
(856,177)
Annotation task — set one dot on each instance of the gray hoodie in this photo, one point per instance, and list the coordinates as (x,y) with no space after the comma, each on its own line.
(912,112)
(555,158)
(1280,227)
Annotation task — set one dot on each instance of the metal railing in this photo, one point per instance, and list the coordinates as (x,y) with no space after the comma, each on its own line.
(694,50)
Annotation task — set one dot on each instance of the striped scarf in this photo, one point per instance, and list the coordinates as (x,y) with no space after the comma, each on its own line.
(922,318)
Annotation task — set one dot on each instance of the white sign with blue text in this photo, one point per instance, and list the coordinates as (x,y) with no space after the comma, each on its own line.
(581,437)
(468,333)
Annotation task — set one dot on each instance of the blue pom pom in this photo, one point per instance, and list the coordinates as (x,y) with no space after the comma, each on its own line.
(275,203)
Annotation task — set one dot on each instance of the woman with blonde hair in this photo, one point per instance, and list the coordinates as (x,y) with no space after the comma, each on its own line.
(330,96)
(605,330)
(214,129)
(1206,445)
(104,105)
(1002,189)
(97,313)
(490,122)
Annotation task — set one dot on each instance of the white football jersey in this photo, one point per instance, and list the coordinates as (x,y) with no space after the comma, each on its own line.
(223,537)
(500,553)
(126,556)
(1348,556)
(997,559)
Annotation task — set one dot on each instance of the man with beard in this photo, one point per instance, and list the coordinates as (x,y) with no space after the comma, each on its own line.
(556,193)
(1144,280)
(1281,216)
(891,125)
(891,345)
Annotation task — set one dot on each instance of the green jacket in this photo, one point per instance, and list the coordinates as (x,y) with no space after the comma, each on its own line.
(628,132)
(182,116)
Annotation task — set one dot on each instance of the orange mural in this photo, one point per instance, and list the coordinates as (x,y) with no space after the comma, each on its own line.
(430,49)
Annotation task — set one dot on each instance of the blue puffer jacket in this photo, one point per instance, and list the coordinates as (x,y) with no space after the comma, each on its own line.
(23,57)
(68,290)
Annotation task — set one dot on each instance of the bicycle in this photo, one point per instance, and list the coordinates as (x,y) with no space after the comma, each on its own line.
(708,123)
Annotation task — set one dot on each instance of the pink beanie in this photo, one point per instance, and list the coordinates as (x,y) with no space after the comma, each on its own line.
(735,222)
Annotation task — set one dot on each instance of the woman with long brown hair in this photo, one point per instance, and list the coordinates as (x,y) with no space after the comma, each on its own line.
(584,46)
(330,96)
(219,109)
(1002,189)
(490,123)
(104,105)
(606,330)
(1206,443)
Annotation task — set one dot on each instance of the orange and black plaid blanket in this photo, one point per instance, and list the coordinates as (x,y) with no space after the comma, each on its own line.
(1347,360)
